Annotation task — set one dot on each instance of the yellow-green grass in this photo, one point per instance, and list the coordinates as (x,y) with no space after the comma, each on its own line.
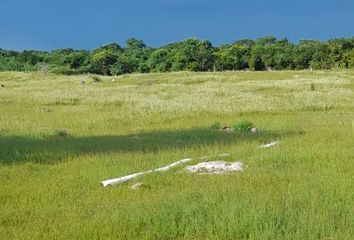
(59,138)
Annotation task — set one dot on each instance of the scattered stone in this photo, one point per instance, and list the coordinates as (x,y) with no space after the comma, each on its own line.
(137,185)
(215,167)
(254,130)
(2,85)
(269,145)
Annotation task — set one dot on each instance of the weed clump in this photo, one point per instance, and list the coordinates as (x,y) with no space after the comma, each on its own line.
(96,79)
(62,133)
(244,126)
(312,87)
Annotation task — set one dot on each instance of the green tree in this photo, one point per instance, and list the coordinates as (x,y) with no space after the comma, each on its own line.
(124,64)
(303,54)
(135,56)
(348,59)
(233,57)
(256,62)
(103,58)
(266,41)
(159,61)
(77,59)
(339,48)
(193,55)
(322,58)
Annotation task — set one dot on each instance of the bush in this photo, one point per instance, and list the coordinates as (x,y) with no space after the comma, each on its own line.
(244,126)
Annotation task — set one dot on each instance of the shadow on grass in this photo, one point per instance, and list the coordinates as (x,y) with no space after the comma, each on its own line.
(18,149)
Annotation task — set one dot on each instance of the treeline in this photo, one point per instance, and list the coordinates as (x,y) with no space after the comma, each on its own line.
(266,53)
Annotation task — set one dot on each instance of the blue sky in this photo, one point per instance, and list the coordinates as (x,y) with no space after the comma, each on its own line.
(86,24)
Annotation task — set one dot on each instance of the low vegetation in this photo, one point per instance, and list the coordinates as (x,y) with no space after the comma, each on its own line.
(244,126)
(59,138)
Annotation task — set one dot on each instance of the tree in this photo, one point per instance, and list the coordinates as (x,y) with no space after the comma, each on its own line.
(266,41)
(349,59)
(283,55)
(124,64)
(192,54)
(159,61)
(248,43)
(135,56)
(104,57)
(132,44)
(77,59)
(204,56)
(255,62)
(303,54)
(322,57)
(233,57)
(339,47)
(102,61)
(188,55)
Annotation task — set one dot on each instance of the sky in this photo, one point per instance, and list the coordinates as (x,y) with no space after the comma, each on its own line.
(86,24)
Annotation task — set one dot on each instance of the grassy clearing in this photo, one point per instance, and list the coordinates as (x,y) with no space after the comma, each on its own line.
(59,138)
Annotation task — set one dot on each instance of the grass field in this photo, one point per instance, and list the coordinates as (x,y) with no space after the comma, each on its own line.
(59,138)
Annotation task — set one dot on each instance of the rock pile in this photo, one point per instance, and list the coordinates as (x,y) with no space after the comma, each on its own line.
(215,167)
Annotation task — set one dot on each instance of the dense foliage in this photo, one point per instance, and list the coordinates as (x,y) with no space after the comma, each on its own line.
(266,53)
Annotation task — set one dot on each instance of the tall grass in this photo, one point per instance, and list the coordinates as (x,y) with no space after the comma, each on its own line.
(59,138)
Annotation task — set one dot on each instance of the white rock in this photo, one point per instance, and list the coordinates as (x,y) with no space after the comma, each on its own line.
(269,145)
(254,130)
(215,167)
(115,181)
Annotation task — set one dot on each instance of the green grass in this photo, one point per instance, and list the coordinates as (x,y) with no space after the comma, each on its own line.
(59,138)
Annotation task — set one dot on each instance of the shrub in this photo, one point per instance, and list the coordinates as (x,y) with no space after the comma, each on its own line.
(244,126)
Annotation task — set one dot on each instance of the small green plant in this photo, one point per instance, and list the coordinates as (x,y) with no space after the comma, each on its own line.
(96,79)
(312,87)
(244,126)
(62,133)
(216,125)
